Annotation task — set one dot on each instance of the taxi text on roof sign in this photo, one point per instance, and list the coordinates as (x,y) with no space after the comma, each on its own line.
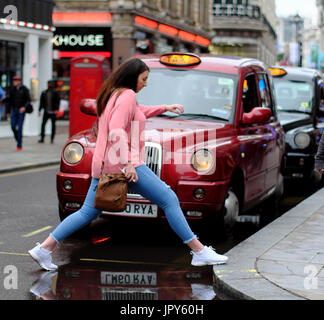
(180,60)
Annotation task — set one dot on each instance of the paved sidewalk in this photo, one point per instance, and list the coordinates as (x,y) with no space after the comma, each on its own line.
(34,154)
(283,261)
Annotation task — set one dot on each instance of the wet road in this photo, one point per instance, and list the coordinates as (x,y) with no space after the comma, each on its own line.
(107,261)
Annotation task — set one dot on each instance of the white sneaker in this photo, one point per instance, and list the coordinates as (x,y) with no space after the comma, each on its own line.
(44,284)
(202,291)
(43,257)
(207,256)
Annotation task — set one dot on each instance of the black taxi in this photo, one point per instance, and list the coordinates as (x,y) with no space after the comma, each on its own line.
(299,96)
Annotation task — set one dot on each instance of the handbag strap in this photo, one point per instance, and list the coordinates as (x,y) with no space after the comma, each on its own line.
(106,147)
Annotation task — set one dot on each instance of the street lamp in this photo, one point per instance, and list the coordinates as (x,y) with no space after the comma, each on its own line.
(299,23)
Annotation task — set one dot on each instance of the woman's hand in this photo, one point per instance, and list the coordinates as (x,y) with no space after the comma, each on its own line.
(130,173)
(175,108)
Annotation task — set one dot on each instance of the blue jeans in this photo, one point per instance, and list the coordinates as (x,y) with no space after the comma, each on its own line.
(150,187)
(17,122)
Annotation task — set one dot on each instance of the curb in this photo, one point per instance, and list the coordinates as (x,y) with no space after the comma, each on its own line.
(226,292)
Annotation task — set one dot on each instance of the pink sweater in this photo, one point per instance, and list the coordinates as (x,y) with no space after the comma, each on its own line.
(125,122)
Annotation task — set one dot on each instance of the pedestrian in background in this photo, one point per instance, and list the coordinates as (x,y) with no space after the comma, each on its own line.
(18,98)
(50,102)
(117,109)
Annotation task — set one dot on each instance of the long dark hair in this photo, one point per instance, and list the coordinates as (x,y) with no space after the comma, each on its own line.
(125,76)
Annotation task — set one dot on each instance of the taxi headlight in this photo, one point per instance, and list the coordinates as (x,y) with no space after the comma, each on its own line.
(302,140)
(202,160)
(73,153)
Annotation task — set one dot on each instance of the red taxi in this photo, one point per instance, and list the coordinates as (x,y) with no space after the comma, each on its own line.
(222,156)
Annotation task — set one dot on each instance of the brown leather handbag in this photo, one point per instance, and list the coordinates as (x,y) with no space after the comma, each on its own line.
(111,194)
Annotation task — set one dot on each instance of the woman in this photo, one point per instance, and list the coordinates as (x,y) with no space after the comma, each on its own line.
(118,114)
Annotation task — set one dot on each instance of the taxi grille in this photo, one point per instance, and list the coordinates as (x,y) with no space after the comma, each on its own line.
(128,294)
(153,159)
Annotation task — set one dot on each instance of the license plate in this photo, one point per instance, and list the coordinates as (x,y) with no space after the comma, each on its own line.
(138,210)
(128,278)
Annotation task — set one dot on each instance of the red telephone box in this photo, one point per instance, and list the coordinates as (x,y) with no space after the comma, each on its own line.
(87,74)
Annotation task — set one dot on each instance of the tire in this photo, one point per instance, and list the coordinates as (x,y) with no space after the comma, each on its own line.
(221,226)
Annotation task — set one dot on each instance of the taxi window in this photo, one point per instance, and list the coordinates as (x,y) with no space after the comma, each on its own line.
(200,92)
(250,94)
(264,90)
(293,95)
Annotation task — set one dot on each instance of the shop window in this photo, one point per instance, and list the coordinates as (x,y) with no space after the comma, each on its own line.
(11,63)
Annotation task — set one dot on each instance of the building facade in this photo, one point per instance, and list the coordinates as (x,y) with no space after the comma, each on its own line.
(119,29)
(320,21)
(291,37)
(320,45)
(26,34)
(245,28)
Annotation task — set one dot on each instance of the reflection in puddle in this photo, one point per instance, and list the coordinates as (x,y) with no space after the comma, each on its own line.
(128,265)
(115,281)
(44,287)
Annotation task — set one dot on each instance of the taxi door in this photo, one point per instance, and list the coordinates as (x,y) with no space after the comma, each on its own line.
(251,137)
(273,134)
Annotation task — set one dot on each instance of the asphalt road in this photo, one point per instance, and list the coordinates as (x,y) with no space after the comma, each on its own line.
(27,213)
(107,257)
(109,260)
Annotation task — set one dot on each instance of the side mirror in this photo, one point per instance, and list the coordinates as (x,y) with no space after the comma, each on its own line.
(257,115)
(88,106)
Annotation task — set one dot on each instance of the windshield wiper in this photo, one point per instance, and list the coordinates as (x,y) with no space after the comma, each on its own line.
(293,111)
(165,116)
(201,115)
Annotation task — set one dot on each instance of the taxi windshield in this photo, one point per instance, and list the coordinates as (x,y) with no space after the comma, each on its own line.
(207,96)
(293,95)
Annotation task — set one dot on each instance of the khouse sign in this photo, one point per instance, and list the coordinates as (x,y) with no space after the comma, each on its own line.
(82,39)
(72,40)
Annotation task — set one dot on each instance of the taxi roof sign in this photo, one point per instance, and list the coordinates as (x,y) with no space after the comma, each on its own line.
(277,72)
(180,59)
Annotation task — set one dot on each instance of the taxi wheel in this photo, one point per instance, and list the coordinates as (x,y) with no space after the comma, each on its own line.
(231,208)
(221,226)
